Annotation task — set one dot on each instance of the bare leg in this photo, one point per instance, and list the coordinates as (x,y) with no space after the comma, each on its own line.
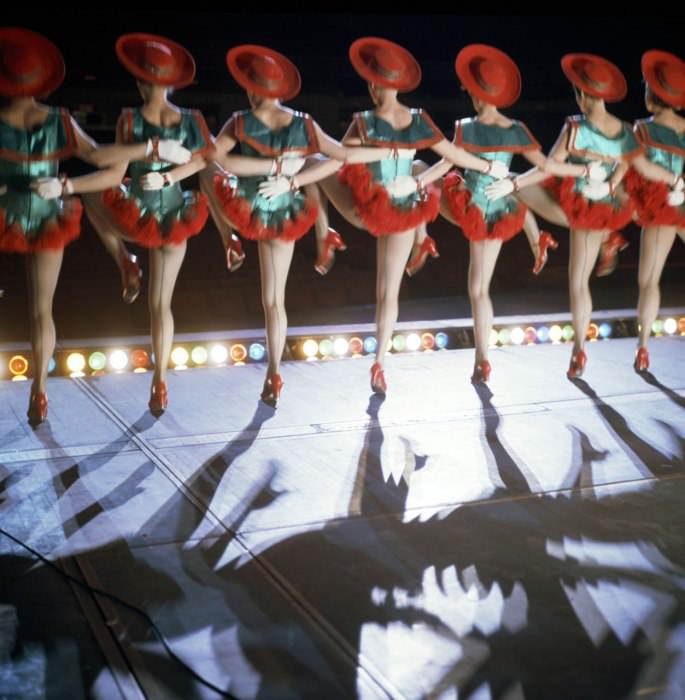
(392,253)
(482,260)
(532,231)
(655,244)
(42,272)
(165,264)
(113,239)
(420,232)
(328,240)
(234,250)
(321,223)
(274,263)
(544,205)
(340,196)
(206,178)
(585,246)
(106,228)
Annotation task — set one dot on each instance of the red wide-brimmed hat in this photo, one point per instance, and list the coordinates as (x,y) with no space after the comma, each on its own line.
(595,76)
(488,74)
(156,59)
(385,63)
(30,64)
(665,75)
(264,71)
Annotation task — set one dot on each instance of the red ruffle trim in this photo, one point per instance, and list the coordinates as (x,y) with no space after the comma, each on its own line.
(239,212)
(55,234)
(375,208)
(583,213)
(146,230)
(470,218)
(650,200)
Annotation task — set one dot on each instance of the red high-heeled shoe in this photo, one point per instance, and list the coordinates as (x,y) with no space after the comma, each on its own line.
(481,372)
(332,243)
(38,408)
(577,365)
(426,248)
(272,389)
(235,255)
(378,384)
(608,258)
(159,398)
(131,274)
(641,363)
(546,241)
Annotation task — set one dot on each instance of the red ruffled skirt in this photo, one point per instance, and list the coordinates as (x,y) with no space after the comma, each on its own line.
(240,212)
(375,207)
(583,213)
(650,201)
(54,234)
(469,217)
(146,230)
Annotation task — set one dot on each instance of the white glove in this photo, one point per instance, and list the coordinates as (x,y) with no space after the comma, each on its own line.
(156,181)
(678,185)
(291,166)
(676,197)
(498,170)
(596,190)
(402,186)
(597,171)
(499,189)
(169,150)
(273,188)
(52,187)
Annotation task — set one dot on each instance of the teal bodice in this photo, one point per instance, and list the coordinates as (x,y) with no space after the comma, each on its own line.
(26,156)
(491,142)
(663,145)
(586,143)
(191,131)
(376,131)
(257,140)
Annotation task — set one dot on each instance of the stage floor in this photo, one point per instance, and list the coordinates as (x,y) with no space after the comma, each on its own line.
(524,540)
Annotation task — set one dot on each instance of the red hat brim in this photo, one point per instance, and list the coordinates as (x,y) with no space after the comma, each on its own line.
(467,65)
(575,67)
(130,51)
(653,64)
(50,73)
(363,54)
(240,59)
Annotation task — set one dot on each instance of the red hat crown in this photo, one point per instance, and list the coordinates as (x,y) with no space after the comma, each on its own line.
(665,74)
(30,64)
(489,74)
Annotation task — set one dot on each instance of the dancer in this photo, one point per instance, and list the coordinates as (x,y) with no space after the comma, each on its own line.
(262,197)
(492,81)
(151,209)
(384,198)
(597,149)
(38,215)
(659,202)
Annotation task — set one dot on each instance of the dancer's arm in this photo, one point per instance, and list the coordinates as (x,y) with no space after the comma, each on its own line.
(555,164)
(117,153)
(157,180)
(654,172)
(456,155)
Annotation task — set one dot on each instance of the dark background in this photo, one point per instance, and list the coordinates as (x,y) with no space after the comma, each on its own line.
(207,297)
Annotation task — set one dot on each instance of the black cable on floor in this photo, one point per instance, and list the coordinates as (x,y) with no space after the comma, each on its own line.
(120,601)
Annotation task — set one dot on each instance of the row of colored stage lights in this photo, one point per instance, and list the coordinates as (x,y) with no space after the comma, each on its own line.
(220,354)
